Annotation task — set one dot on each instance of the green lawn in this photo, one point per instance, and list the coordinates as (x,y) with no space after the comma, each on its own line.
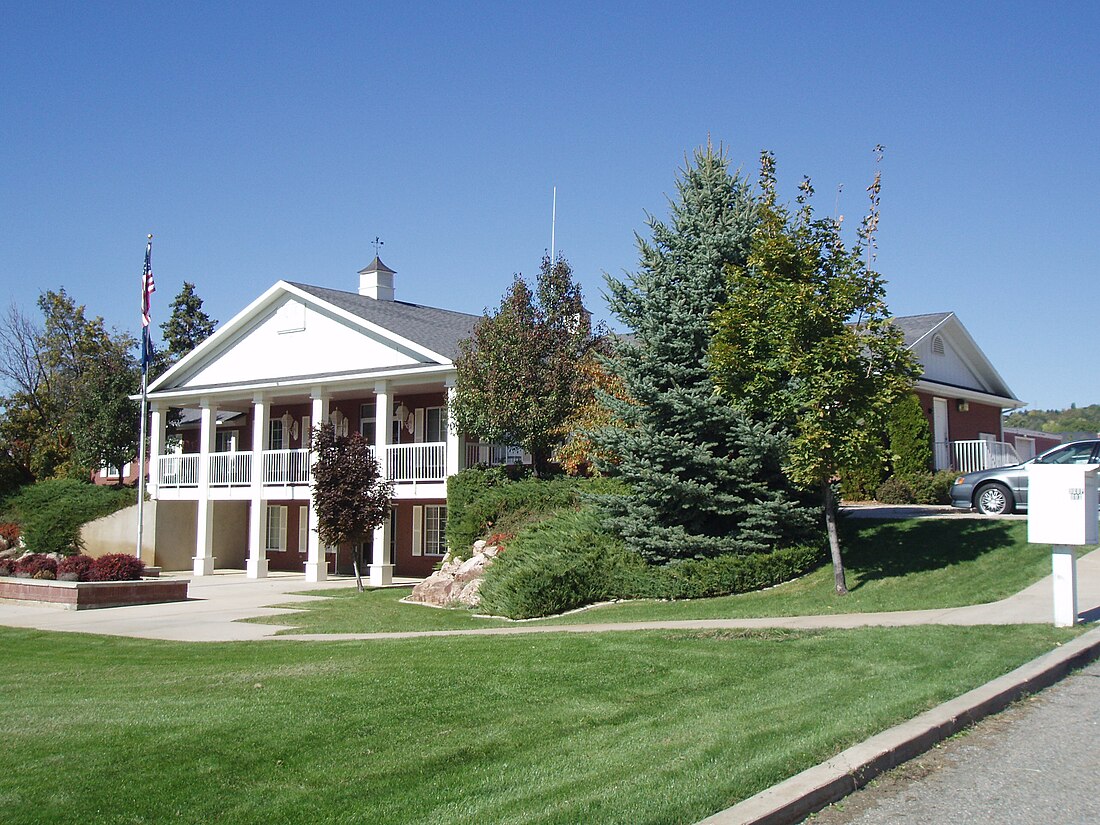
(612,728)
(892,565)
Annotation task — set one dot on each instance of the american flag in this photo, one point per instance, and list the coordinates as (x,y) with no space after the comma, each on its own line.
(147,285)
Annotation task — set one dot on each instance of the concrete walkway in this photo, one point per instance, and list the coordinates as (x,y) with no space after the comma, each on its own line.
(217,603)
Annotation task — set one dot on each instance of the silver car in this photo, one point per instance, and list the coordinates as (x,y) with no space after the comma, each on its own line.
(1004,489)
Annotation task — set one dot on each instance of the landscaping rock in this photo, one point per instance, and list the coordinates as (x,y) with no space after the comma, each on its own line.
(457,579)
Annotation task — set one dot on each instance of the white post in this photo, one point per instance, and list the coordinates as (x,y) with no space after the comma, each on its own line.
(204,534)
(156,445)
(256,567)
(316,565)
(454,442)
(381,571)
(1064,563)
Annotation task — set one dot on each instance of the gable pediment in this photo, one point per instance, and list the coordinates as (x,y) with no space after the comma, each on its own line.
(289,334)
(944,364)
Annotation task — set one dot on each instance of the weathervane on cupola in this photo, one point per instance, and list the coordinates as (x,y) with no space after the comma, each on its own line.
(376,281)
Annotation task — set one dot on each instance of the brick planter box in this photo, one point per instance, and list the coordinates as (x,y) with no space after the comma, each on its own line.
(88,595)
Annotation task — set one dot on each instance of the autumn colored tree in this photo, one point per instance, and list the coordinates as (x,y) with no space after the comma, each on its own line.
(804,342)
(519,372)
(350,496)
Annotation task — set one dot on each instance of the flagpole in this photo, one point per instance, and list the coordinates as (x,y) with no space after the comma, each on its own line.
(145,355)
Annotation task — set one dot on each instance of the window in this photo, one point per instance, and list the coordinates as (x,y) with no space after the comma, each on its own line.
(393,536)
(225,441)
(366,421)
(435,530)
(303,528)
(276,437)
(276,527)
(1073,454)
(435,424)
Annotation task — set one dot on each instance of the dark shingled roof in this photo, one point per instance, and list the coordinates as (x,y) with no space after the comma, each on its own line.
(439,330)
(914,327)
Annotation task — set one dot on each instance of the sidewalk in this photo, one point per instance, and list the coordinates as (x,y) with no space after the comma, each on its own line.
(218,603)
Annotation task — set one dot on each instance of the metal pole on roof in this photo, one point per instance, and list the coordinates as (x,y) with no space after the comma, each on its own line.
(553,224)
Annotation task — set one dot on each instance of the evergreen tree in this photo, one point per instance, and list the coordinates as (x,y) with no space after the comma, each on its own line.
(187,327)
(704,478)
(910,437)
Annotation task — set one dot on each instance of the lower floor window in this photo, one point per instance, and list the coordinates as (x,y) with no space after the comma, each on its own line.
(276,527)
(435,530)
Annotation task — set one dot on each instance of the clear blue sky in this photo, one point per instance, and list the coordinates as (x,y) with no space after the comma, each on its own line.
(262,141)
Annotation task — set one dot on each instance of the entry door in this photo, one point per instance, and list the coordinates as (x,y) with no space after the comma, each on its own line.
(939,430)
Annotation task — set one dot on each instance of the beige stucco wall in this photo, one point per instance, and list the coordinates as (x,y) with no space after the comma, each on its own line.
(170,528)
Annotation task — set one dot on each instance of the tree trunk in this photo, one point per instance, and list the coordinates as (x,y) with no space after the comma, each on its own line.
(834,539)
(357,563)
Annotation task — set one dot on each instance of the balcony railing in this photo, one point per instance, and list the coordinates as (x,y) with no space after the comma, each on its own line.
(230,469)
(492,455)
(285,467)
(971,456)
(416,462)
(402,463)
(178,470)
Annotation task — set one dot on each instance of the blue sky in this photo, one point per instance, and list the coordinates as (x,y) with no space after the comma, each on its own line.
(275,140)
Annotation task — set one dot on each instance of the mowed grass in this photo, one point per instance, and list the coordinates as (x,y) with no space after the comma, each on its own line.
(612,728)
(891,565)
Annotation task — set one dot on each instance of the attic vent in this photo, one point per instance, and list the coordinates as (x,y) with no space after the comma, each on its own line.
(937,345)
(291,317)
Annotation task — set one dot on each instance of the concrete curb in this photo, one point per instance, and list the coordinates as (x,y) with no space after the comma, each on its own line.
(796,798)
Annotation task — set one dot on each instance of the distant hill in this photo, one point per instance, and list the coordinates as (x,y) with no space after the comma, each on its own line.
(1075,419)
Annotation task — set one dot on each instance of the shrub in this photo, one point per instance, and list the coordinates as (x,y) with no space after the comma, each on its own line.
(942,482)
(860,483)
(30,566)
(116,567)
(569,561)
(7,567)
(9,532)
(75,568)
(480,499)
(52,512)
(896,490)
(910,437)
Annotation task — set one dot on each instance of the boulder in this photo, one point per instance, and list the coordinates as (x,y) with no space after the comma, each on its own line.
(457,579)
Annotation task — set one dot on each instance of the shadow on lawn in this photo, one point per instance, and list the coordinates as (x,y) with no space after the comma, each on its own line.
(890,549)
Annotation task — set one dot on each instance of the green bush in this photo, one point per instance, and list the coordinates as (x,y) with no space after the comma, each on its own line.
(569,561)
(480,499)
(910,438)
(896,490)
(52,512)
(860,483)
(942,482)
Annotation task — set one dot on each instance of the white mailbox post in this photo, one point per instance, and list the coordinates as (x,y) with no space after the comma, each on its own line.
(1062,511)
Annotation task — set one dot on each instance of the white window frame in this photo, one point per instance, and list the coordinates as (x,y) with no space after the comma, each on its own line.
(435,529)
(275,425)
(276,528)
(220,437)
(441,424)
(303,528)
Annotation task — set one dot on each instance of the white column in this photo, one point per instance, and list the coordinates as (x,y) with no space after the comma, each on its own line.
(454,441)
(204,533)
(256,567)
(156,445)
(381,571)
(316,565)
(1064,563)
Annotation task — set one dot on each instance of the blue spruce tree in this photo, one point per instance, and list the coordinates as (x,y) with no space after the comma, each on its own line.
(704,479)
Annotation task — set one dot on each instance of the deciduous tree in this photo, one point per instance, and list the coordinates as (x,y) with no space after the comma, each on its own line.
(804,342)
(520,372)
(349,494)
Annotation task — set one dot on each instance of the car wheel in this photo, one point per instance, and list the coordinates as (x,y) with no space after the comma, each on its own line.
(994,500)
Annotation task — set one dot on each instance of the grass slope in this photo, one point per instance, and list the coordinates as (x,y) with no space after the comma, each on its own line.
(610,728)
(892,565)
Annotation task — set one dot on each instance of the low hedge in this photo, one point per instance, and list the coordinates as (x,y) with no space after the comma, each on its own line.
(569,561)
(113,567)
(51,513)
(917,488)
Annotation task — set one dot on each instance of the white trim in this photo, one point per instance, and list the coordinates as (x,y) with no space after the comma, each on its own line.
(280,536)
(303,528)
(934,388)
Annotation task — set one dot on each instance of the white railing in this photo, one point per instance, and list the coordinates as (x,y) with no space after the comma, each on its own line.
(971,456)
(230,469)
(180,470)
(416,462)
(287,466)
(492,455)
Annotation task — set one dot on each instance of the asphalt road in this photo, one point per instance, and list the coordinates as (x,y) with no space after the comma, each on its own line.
(1037,762)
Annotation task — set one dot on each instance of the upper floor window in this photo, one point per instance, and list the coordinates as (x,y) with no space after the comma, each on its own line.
(435,424)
